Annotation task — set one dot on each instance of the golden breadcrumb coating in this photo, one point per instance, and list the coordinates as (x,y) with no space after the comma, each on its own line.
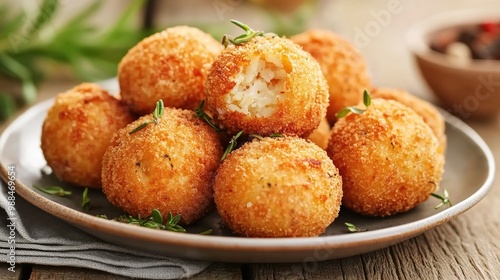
(388,157)
(267,85)
(321,134)
(166,166)
(278,187)
(77,131)
(426,110)
(342,64)
(171,65)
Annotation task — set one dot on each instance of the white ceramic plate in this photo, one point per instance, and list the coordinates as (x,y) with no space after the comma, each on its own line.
(468,176)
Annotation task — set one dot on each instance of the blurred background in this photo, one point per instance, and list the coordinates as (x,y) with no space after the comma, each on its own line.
(63,42)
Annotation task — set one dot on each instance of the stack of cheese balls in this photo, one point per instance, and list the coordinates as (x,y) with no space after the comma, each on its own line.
(296,161)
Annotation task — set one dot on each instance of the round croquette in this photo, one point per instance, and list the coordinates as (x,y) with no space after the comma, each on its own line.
(168,165)
(388,158)
(77,131)
(426,110)
(278,187)
(267,85)
(171,65)
(342,65)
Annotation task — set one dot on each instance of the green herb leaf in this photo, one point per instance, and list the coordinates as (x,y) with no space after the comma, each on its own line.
(445,199)
(53,190)
(19,71)
(46,10)
(256,136)
(90,52)
(353,228)
(243,38)
(7,106)
(275,135)
(85,200)
(231,146)
(141,126)
(225,40)
(12,25)
(200,114)
(241,25)
(367,101)
(157,218)
(206,232)
(157,114)
(155,221)
(159,109)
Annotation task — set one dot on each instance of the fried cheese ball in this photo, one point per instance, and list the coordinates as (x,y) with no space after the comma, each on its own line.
(171,65)
(426,110)
(167,166)
(77,131)
(321,134)
(267,85)
(388,158)
(278,187)
(342,65)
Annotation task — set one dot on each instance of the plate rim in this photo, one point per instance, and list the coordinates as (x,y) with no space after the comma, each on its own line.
(245,244)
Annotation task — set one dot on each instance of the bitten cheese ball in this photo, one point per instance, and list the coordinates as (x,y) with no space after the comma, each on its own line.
(278,187)
(77,131)
(388,158)
(426,110)
(342,64)
(171,65)
(267,85)
(168,165)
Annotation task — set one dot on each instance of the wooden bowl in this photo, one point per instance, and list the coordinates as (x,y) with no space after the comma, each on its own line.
(468,89)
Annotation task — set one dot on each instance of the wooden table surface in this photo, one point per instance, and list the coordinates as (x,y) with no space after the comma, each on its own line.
(467,247)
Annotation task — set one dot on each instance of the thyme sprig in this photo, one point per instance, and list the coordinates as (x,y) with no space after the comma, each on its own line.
(53,190)
(353,228)
(243,38)
(155,221)
(367,101)
(200,114)
(444,199)
(232,145)
(157,113)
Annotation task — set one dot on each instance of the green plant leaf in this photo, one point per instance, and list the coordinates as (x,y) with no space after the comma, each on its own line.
(46,11)
(10,26)
(157,218)
(7,106)
(80,19)
(53,190)
(19,71)
(29,91)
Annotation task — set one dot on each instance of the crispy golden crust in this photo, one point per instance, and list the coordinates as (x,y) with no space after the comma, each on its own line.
(278,187)
(388,157)
(77,131)
(344,68)
(171,65)
(321,135)
(426,110)
(168,166)
(305,91)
